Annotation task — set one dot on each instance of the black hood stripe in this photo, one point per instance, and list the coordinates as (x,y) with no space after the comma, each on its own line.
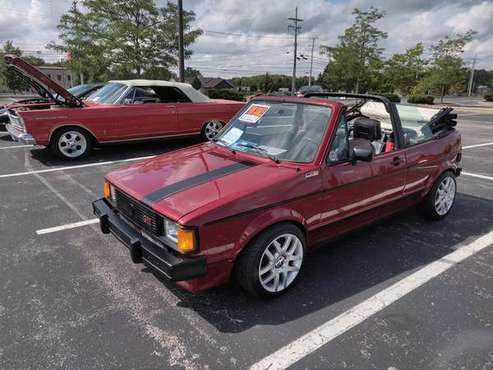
(194,181)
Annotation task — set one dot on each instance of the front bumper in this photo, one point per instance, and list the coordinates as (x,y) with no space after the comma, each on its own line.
(158,258)
(18,135)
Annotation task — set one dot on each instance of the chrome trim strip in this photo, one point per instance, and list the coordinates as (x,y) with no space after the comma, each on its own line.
(150,138)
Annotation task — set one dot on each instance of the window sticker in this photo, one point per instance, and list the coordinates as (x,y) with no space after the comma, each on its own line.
(254,113)
(232,136)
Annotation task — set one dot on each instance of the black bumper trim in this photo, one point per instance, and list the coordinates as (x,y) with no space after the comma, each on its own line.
(157,258)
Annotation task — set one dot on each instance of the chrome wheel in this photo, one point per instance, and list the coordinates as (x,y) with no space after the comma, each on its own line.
(445,196)
(280,263)
(72,144)
(211,129)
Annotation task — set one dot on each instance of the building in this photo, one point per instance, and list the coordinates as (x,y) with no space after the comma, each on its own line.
(215,83)
(60,75)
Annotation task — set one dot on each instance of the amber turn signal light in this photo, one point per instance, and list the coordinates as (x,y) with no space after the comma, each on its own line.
(107,189)
(186,240)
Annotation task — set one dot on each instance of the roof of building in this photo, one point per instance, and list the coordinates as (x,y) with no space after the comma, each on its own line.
(212,82)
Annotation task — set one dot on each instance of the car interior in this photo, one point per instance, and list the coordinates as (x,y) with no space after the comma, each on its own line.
(155,94)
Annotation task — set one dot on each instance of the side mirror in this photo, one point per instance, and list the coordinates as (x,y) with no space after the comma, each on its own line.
(362,154)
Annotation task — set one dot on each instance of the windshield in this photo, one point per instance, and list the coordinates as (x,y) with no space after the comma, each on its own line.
(108,94)
(78,90)
(279,130)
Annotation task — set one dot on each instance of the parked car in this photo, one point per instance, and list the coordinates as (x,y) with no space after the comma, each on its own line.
(304,90)
(44,102)
(285,175)
(120,111)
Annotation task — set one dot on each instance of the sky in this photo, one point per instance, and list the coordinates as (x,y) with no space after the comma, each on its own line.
(247,37)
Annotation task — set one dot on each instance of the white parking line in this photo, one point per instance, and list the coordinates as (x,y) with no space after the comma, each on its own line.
(16,147)
(476,145)
(310,342)
(74,167)
(67,226)
(477,176)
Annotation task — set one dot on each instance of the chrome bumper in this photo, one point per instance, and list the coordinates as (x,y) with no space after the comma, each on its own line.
(18,135)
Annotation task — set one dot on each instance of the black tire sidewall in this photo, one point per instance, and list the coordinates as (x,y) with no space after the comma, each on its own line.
(56,138)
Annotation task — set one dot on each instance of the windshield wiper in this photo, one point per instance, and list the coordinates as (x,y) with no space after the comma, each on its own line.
(224,144)
(259,149)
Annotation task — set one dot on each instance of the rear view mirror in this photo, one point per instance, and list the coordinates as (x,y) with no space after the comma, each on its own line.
(362,154)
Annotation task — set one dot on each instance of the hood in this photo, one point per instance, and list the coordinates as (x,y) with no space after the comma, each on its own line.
(177,183)
(42,83)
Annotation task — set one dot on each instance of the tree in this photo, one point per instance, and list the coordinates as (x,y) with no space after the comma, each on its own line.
(79,40)
(11,79)
(123,39)
(403,71)
(447,66)
(356,59)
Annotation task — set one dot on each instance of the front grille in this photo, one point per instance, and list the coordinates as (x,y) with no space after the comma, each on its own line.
(15,120)
(139,214)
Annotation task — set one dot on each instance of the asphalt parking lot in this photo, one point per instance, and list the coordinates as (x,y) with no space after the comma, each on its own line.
(71,298)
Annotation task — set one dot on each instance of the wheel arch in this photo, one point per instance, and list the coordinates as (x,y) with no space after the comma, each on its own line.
(266,221)
(57,129)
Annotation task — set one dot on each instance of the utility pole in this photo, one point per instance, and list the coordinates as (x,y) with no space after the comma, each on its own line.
(471,77)
(296,28)
(181,53)
(311,62)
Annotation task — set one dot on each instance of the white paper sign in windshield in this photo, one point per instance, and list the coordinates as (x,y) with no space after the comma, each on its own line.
(232,136)
(254,113)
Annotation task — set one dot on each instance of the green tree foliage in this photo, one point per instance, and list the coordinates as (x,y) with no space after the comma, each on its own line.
(403,71)
(10,79)
(268,82)
(447,70)
(356,60)
(124,39)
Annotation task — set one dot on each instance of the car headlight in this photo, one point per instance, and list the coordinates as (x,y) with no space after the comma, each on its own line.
(109,191)
(184,239)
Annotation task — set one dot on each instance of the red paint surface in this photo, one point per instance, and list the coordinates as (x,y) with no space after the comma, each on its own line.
(231,210)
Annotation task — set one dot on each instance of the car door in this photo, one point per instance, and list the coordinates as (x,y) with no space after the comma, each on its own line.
(147,115)
(349,191)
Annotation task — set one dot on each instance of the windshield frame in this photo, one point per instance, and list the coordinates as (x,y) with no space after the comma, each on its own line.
(266,99)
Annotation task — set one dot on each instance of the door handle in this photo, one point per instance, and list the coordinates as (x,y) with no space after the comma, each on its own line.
(396,161)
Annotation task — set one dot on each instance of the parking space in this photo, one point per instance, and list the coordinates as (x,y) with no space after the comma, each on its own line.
(71,298)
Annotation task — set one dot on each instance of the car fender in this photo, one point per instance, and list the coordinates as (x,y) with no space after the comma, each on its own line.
(443,166)
(265,220)
(71,124)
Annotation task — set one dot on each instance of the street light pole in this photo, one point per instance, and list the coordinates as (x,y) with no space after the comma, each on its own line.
(296,28)
(471,77)
(311,62)
(181,53)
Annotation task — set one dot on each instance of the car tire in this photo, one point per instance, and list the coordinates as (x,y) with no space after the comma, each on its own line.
(440,200)
(272,262)
(71,143)
(211,129)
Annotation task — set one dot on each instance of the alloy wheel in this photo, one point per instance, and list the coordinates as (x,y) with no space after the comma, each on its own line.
(280,263)
(445,196)
(72,144)
(212,128)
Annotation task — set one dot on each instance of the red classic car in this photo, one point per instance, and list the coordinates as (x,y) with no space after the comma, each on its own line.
(285,175)
(120,111)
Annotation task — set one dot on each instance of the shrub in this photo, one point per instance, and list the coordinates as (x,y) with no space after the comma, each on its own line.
(392,97)
(489,96)
(228,94)
(421,99)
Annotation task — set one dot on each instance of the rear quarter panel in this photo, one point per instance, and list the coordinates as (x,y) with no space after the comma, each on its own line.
(192,116)
(428,160)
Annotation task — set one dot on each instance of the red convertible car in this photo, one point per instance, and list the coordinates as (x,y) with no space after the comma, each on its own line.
(120,111)
(285,175)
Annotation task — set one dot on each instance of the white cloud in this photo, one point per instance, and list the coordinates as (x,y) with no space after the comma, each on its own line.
(32,24)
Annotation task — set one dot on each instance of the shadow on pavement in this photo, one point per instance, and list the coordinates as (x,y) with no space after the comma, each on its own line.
(347,267)
(114,152)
